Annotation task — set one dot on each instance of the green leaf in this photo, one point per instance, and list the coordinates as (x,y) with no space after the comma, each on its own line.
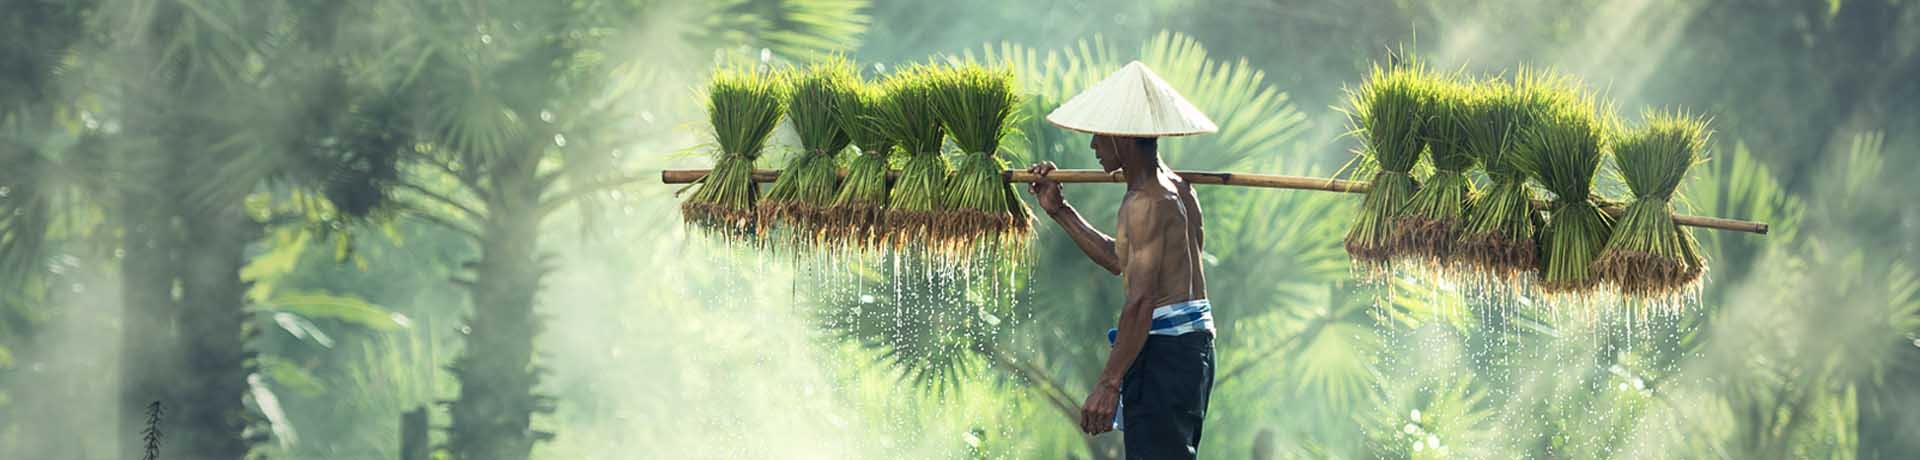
(290,375)
(265,270)
(345,308)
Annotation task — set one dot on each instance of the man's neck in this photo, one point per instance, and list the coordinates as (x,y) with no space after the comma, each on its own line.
(1144,174)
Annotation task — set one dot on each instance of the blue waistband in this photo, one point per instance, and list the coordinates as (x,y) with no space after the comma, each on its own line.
(1183,317)
(1180,318)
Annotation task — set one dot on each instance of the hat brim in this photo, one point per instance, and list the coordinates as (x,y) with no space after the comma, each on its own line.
(1132,102)
(1129,134)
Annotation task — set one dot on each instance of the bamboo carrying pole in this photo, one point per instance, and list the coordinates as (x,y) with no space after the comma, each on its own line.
(687,176)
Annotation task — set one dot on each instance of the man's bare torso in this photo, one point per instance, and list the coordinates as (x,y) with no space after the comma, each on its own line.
(1179,276)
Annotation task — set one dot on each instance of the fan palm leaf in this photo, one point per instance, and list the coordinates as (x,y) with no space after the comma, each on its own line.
(1046,77)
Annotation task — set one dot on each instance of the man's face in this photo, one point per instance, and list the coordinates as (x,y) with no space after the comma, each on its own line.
(1104,150)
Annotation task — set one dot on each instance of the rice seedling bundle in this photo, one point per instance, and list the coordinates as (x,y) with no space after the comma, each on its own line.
(854,219)
(976,106)
(743,105)
(907,117)
(1649,257)
(1496,249)
(1385,112)
(1562,153)
(1429,226)
(795,205)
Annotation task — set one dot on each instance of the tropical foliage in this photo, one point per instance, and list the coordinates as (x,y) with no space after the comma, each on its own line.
(292,221)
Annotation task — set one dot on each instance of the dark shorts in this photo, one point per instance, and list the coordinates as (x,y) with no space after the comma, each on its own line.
(1164,396)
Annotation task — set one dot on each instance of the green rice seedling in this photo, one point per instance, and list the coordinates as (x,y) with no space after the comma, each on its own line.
(1563,152)
(796,203)
(1385,112)
(1428,228)
(743,105)
(1497,248)
(1650,257)
(854,219)
(976,106)
(907,117)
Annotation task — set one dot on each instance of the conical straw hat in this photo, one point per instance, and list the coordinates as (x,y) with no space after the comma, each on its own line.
(1132,103)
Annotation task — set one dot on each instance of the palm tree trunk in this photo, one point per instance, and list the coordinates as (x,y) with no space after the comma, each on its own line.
(183,322)
(150,328)
(492,415)
(212,415)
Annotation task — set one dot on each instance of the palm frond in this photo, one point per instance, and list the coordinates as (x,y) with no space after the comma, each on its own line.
(805,29)
(344,308)
(1738,184)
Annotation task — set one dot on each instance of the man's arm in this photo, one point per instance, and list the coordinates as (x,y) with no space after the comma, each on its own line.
(1144,221)
(1098,246)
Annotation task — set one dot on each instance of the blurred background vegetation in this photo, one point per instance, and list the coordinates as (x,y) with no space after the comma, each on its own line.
(291,221)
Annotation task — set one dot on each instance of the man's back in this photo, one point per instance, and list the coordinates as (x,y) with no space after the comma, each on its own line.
(1179,276)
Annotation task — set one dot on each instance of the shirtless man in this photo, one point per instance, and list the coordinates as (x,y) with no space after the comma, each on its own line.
(1162,358)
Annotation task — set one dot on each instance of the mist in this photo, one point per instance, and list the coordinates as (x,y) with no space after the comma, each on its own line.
(289,224)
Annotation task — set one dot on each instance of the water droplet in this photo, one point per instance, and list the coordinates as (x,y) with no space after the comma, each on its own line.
(402,320)
(486,38)
(646,116)
(766,55)
(615,194)
(560,140)
(1416,415)
(546,116)
(1433,441)
(1417,446)
(4,191)
(1916,343)
(466,330)
(119,253)
(1410,429)
(868,298)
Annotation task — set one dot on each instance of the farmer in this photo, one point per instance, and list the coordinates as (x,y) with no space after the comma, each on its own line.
(1160,371)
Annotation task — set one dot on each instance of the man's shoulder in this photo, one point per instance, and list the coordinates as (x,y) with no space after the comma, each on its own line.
(1146,207)
(1147,203)
(1150,197)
